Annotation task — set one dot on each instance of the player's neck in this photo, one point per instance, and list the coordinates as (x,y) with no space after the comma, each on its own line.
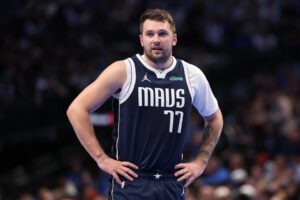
(159,65)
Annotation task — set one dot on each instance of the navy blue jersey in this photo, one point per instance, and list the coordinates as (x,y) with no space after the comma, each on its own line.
(151,120)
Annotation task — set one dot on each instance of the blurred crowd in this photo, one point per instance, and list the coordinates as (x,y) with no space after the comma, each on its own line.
(51,49)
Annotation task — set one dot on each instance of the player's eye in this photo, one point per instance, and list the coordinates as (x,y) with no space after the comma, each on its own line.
(149,34)
(163,33)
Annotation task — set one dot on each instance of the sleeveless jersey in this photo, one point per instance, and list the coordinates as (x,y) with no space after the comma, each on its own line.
(152,113)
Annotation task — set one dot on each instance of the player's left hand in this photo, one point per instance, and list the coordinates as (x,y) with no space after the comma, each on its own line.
(189,171)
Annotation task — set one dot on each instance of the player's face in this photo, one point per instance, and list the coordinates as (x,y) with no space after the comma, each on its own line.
(157,40)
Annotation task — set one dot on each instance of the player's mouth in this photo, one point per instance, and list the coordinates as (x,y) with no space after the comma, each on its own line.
(157,49)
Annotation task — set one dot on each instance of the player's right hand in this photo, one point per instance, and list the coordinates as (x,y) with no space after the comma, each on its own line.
(116,168)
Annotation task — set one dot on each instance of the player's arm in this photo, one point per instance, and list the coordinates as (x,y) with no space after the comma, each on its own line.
(91,98)
(212,131)
(211,135)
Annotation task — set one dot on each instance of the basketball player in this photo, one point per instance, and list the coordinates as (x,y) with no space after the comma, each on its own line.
(153,95)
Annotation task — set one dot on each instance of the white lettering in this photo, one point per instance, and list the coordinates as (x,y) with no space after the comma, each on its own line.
(180,97)
(144,94)
(160,97)
(170,98)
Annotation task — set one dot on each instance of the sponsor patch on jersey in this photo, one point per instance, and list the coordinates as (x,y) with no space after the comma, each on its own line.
(176,78)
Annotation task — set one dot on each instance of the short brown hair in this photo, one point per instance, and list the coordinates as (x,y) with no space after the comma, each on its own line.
(157,15)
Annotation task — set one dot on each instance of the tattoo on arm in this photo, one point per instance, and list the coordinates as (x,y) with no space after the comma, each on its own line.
(209,141)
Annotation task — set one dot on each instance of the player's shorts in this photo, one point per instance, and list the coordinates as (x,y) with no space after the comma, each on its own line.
(148,186)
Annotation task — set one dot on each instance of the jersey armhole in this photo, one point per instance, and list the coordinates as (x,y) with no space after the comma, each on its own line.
(128,86)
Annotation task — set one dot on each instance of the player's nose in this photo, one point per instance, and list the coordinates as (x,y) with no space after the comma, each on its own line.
(156,43)
(156,40)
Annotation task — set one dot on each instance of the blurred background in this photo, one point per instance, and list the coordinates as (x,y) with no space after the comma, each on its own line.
(249,50)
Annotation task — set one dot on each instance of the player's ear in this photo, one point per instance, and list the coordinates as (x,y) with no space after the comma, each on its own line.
(174,39)
(141,40)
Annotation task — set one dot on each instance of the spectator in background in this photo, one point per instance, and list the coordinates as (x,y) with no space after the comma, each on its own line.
(215,173)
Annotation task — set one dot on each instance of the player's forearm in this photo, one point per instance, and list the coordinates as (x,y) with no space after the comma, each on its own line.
(84,130)
(211,137)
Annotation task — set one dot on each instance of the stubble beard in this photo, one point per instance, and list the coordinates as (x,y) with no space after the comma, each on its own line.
(157,59)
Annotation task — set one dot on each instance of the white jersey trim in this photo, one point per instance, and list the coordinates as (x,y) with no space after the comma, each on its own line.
(159,74)
(113,187)
(128,86)
(118,136)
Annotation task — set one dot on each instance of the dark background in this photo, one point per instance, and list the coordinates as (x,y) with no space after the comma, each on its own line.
(51,50)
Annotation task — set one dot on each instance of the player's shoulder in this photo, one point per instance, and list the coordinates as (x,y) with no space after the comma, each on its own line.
(125,62)
(118,66)
(118,63)
(116,71)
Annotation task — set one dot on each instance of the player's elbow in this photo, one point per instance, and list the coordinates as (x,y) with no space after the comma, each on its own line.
(76,109)
(71,110)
